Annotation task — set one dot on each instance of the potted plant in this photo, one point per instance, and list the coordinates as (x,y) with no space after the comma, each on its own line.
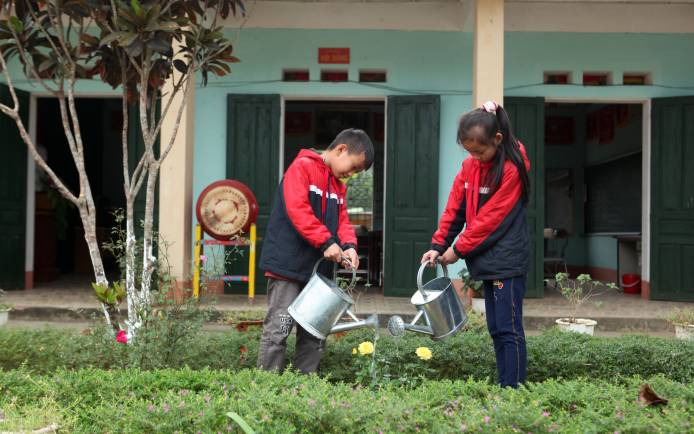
(4,310)
(474,291)
(577,292)
(683,320)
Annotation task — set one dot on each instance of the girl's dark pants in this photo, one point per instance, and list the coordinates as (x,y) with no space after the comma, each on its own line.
(503,301)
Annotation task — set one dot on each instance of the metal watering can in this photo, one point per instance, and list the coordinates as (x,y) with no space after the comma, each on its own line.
(321,304)
(438,303)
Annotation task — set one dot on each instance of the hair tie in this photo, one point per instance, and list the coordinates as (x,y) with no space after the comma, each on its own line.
(490,107)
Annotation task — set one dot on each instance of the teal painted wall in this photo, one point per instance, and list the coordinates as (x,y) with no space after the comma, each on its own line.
(435,62)
(665,56)
(428,62)
(418,62)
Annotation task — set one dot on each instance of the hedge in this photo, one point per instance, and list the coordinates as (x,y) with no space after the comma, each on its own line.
(186,400)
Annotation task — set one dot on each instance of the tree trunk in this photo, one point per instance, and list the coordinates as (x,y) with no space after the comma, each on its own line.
(130,246)
(149,261)
(89,226)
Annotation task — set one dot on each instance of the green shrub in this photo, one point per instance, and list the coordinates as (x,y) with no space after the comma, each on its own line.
(135,401)
(553,354)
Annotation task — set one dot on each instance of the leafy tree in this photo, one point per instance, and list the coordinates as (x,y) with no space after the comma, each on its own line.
(151,51)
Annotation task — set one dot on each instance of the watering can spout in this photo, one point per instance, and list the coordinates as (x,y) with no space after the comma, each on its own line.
(370,322)
(397,327)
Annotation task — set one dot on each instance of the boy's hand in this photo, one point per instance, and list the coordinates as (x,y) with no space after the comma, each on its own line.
(353,258)
(430,257)
(449,257)
(333,253)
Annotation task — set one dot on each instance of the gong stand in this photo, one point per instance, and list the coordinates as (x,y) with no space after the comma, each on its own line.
(224,210)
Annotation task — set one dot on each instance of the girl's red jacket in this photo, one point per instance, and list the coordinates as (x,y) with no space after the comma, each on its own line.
(495,241)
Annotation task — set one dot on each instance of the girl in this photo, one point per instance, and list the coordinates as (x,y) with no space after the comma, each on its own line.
(489,197)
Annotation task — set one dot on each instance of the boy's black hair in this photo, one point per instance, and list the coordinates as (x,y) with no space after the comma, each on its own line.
(357,142)
(508,149)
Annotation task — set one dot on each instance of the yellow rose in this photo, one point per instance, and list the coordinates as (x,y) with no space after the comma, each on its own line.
(354,351)
(423,353)
(366,348)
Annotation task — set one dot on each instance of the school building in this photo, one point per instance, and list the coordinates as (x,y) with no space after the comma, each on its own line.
(600,92)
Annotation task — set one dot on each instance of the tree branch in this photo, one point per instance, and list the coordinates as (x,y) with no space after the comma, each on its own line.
(30,65)
(139,174)
(144,85)
(67,127)
(174,92)
(126,120)
(49,37)
(57,22)
(14,114)
(177,123)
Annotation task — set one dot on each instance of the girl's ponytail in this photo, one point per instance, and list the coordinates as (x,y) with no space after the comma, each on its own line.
(492,119)
(509,149)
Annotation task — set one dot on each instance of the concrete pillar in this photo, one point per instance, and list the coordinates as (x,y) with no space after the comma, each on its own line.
(488,52)
(176,183)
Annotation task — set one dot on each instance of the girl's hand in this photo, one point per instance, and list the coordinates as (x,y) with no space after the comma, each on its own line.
(430,257)
(449,257)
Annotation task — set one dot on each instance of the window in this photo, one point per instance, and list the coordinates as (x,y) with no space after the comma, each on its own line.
(636,79)
(334,76)
(295,75)
(596,79)
(366,76)
(557,78)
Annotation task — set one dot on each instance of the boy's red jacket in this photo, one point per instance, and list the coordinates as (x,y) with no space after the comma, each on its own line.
(495,242)
(308,215)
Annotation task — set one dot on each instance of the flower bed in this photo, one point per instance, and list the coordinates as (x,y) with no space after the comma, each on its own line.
(186,400)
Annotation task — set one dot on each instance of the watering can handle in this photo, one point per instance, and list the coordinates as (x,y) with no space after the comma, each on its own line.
(421,272)
(344,258)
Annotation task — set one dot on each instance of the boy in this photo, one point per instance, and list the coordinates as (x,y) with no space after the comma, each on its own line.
(308,220)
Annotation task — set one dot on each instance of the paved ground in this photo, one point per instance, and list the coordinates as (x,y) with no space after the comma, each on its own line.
(71,299)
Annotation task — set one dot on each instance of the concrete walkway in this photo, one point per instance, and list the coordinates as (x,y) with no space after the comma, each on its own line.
(72,299)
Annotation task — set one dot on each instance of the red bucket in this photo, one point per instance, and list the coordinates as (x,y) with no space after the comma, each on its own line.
(631,283)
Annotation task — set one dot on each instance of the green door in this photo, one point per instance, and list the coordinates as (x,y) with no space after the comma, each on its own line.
(672,199)
(253,142)
(13,180)
(412,179)
(528,120)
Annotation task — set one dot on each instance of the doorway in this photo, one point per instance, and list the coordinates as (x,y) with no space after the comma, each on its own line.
(61,257)
(313,124)
(593,190)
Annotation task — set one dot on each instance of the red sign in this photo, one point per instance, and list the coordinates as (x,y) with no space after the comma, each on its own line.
(333,55)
